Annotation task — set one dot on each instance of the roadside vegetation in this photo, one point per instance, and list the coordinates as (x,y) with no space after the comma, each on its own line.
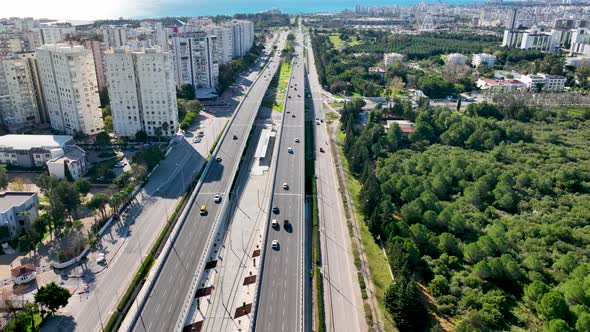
(482,213)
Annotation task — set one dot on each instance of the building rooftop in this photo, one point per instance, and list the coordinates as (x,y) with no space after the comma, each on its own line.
(28,142)
(23,270)
(72,153)
(493,81)
(12,198)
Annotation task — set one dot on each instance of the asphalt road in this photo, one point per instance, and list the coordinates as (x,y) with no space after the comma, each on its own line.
(163,307)
(342,297)
(280,304)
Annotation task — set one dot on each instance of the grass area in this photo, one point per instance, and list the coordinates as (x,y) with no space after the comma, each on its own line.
(218,138)
(337,41)
(37,318)
(283,84)
(332,116)
(337,105)
(375,256)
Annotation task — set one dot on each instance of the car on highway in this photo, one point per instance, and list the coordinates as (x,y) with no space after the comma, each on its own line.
(321,149)
(203,209)
(298,95)
(317,122)
(290,149)
(197,140)
(200,134)
(289,97)
(293,115)
(322,120)
(235,137)
(217,198)
(285,186)
(275,223)
(275,244)
(275,210)
(218,159)
(286,223)
(296,140)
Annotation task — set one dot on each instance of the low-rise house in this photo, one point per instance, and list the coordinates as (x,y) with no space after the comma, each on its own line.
(73,158)
(497,85)
(24,273)
(18,210)
(406,127)
(30,150)
(377,70)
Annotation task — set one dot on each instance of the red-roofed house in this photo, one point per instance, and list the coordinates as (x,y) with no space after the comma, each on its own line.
(24,273)
(500,85)
(406,127)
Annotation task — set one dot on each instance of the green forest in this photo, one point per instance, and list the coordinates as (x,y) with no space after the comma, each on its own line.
(489,208)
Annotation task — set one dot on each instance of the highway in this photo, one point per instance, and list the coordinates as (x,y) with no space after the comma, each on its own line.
(343,305)
(167,296)
(280,305)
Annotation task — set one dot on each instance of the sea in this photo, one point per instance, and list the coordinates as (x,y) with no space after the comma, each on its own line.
(231,7)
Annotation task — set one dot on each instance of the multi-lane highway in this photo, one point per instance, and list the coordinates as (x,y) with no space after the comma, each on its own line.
(280,305)
(166,299)
(342,297)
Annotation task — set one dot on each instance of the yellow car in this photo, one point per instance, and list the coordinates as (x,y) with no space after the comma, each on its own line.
(203,209)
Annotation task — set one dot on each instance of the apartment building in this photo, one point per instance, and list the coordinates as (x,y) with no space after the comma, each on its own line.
(483,59)
(18,102)
(114,36)
(30,150)
(142,91)
(391,58)
(53,34)
(580,42)
(545,82)
(97,49)
(196,60)
(455,59)
(243,36)
(18,210)
(225,41)
(70,88)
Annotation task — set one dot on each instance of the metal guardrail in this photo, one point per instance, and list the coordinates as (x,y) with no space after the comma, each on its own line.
(221,212)
(270,201)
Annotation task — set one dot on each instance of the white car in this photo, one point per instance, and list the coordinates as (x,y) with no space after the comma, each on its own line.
(285,186)
(217,198)
(275,244)
(197,140)
(275,223)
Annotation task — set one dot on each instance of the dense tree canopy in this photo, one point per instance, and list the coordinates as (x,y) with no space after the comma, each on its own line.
(489,208)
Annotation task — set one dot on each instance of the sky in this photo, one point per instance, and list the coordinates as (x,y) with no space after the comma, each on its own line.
(109,9)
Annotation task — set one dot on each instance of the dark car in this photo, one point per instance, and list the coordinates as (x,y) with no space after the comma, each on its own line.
(275,209)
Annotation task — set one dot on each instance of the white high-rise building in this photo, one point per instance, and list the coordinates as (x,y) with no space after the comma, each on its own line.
(70,87)
(196,60)
(53,34)
(225,41)
(243,36)
(142,91)
(18,101)
(114,36)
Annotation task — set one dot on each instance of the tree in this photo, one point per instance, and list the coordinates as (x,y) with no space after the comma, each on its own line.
(83,186)
(52,297)
(552,306)
(66,193)
(186,91)
(556,325)
(583,322)
(99,202)
(141,136)
(3,177)
(103,138)
(402,301)
(46,182)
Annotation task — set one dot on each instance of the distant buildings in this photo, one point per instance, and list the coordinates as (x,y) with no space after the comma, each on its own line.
(142,91)
(405,126)
(30,150)
(378,71)
(390,58)
(114,36)
(55,33)
(243,36)
(70,86)
(17,211)
(578,61)
(455,59)
(483,59)
(580,43)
